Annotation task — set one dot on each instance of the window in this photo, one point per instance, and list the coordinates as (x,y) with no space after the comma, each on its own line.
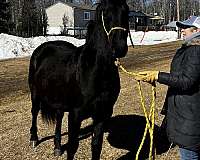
(86,15)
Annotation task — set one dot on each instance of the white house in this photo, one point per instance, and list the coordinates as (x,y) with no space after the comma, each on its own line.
(74,16)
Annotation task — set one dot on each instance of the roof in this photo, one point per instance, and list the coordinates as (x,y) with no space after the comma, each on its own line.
(138,14)
(157,18)
(172,24)
(73,5)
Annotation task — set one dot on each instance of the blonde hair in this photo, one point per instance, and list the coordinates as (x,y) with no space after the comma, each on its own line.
(193,28)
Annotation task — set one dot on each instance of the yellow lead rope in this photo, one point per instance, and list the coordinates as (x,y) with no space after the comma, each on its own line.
(150,119)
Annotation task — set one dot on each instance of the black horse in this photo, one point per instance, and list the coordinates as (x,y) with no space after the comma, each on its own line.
(83,81)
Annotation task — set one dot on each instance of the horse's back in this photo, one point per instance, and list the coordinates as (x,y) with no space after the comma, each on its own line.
(53,48)
(52,51)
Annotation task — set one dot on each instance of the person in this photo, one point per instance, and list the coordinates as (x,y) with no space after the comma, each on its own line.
(182,103)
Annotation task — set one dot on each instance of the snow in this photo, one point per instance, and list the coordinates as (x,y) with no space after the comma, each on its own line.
(152,37)
(13,46)
(54,30)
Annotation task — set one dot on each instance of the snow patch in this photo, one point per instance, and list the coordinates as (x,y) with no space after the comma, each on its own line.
(13,46)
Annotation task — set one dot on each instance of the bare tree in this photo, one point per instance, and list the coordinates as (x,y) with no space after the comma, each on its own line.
(169,9)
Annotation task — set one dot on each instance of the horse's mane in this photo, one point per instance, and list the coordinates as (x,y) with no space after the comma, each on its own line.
(92,24)
(90,30)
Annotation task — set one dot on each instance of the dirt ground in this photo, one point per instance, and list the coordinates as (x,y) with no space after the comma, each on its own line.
(123,133)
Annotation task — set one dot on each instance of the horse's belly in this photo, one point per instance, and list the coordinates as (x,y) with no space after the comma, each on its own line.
(61,94)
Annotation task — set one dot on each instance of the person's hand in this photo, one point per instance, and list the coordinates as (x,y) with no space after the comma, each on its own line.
(148,76)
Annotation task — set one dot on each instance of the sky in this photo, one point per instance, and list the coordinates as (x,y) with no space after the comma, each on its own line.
(14,47)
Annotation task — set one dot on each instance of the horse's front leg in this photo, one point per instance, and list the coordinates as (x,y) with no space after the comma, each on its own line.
(57,138)
(74,125)
(97,140)
(33,131)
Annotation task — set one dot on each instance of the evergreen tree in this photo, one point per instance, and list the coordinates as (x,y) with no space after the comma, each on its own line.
(26,18)
(34,19)
(43,20)
(5,17)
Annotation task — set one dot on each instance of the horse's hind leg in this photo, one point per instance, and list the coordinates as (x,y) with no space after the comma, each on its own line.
(97,140)
(74,124)
(57,138)
(35,109)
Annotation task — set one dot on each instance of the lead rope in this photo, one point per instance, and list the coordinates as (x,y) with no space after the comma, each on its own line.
(129,33)
(166,155)
(150,119)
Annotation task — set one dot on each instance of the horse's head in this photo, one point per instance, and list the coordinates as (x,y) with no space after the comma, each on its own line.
(113,16)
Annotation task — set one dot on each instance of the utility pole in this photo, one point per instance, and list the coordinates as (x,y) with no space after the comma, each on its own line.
(178,10)
(178,16)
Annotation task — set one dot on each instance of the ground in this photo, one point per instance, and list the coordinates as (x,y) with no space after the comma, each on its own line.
(123,133)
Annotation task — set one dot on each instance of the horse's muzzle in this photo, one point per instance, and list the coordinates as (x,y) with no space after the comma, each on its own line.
(120,52)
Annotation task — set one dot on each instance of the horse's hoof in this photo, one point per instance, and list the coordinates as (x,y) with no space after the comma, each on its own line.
(33,144)
(57,152)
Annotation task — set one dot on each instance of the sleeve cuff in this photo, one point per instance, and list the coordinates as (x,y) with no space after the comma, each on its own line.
(163,78)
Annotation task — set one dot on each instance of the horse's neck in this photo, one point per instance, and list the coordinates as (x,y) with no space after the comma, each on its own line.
(99,41)
(96,51)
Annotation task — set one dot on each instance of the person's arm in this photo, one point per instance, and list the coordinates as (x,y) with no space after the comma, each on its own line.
(190,75)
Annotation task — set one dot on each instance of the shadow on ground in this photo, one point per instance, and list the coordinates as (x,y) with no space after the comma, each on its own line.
(84,133)
(126,132)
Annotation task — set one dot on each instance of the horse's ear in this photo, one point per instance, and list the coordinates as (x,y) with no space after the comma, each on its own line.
(99,10)
(107,2)
(103,2)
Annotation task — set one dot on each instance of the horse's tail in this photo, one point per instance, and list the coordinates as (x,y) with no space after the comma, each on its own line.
(33,65)
(48,111)
(35,61)
(32,71)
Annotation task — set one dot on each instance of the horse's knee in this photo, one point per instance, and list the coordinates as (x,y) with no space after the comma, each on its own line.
(98,130)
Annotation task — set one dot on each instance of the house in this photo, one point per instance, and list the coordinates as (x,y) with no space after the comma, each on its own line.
(139,20)
(69,17)
(158,22)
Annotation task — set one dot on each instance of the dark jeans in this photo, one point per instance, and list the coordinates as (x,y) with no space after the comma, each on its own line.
(188,154)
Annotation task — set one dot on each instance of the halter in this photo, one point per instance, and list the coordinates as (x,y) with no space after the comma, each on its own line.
(113,28)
